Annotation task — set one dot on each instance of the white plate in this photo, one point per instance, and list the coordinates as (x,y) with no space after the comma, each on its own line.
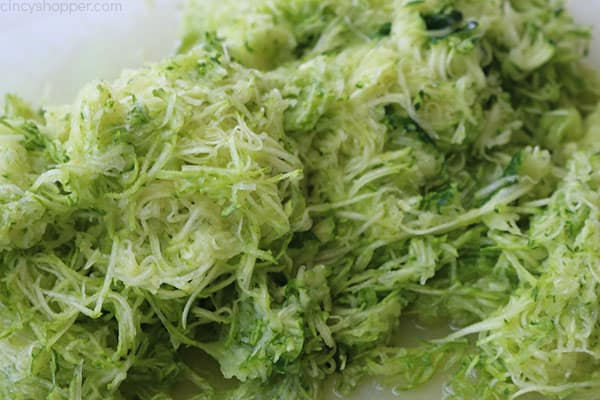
(47,57)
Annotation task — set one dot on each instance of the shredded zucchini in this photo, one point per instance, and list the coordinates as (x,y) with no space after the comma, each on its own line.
(297,183)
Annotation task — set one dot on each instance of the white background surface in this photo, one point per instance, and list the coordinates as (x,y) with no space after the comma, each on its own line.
(47,57)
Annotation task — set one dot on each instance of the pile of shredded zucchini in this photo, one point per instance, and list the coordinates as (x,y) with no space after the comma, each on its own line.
(300,181)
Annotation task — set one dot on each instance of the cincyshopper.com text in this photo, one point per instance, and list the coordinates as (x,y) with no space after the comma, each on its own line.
(59,7)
